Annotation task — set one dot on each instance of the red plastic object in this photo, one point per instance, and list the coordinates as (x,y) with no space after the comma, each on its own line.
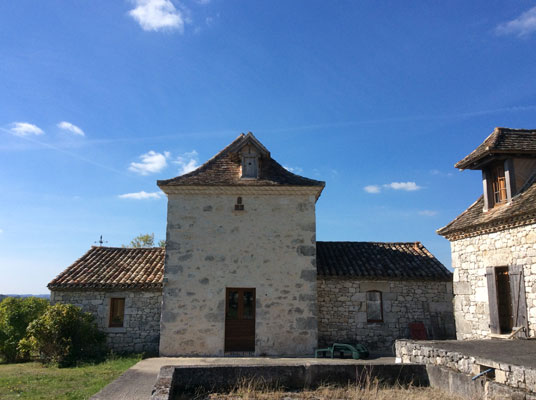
(417,331)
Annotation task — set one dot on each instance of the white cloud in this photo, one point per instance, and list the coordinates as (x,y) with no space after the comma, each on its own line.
(522,26)
(67,126)
(408,186)
(154,15)
(25,129)
(143,195)
(187,162)
(151,163)
(428,213)
(374,189)
(439,173)
(1,231)
(294,170)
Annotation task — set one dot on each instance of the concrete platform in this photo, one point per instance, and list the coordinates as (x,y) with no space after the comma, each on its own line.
(512,352)
(484,369)
(137,382)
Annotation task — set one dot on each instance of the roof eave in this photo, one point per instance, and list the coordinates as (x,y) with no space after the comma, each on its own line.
(315,190)
(481,161)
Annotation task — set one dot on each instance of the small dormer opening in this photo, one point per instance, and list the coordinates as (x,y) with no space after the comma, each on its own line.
(499,183)
(250,167)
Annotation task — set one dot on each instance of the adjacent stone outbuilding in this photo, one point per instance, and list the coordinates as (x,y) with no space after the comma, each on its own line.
(372,293)
(494,241)
(122,287)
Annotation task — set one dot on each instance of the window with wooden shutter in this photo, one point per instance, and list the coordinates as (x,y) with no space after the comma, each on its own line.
(117,312)
(498,185)
(250,167)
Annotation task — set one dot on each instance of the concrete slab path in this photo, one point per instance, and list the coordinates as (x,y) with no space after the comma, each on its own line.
(137,382)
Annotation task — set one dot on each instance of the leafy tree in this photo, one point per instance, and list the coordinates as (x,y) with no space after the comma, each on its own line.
(146,240)
(143,241)
(16,313)
(64,334)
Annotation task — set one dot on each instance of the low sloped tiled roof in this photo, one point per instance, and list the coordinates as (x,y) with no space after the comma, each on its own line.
(474,221)
(114,268)
(142,269)
(379,260)
(224,170)
(501,141)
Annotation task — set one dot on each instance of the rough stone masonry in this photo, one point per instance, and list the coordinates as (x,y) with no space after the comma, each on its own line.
(343,316)
(141,327)
(471,256)
(270,245)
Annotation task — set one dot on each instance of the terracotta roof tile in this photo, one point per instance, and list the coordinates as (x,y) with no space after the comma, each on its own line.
(379,260)
(142,268)
(501,141)
(224,170)
(114,268)
(521,211)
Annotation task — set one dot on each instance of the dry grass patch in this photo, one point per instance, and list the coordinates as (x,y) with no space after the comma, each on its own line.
(367,391)
(329,393)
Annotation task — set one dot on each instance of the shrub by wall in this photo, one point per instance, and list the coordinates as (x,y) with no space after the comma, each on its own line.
(64,334)
(15,315)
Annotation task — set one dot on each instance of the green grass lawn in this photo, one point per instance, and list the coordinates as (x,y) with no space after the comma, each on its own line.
(35,381)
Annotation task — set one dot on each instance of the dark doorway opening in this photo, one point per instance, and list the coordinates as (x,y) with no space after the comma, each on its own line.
(504,299)
(239,320)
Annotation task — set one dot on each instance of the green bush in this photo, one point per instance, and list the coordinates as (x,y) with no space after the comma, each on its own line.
(64,334)
(16,313)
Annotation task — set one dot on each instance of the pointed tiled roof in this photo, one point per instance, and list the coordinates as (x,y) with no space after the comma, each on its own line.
(474,221)
(114,268)
(224,170)
(382,260)
(520,211)
(501,141)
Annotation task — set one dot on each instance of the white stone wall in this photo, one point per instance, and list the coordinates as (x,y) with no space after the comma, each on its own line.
(141,328)
(270,246)
(342,315)
(471,256)
(431,353)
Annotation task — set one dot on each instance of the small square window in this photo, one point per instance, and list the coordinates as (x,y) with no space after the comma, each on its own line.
(117,312)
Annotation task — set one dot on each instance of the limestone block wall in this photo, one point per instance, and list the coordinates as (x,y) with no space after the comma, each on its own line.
(431,353)
(269,246)
(141,328)
(471,256)
(342,315)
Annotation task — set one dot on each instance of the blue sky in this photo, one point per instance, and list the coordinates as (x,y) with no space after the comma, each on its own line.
(99,99)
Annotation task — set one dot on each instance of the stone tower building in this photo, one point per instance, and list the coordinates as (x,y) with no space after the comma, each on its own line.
(240,266)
